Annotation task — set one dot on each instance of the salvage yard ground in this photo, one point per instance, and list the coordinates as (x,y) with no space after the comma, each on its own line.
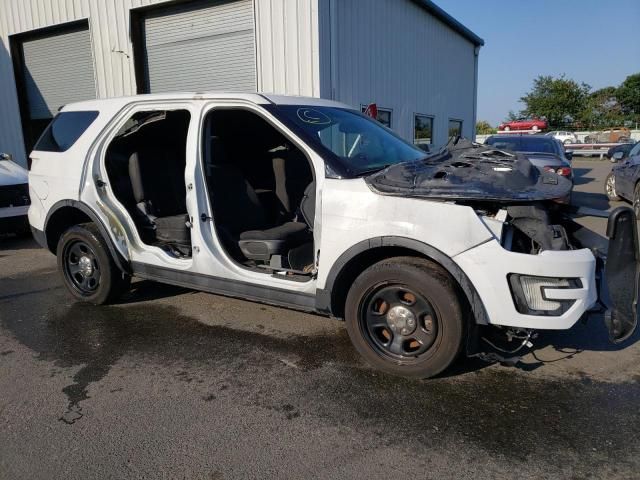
(173,383)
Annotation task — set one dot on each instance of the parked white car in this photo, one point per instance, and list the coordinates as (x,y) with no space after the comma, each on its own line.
(563,136)
(14,196)
(308,204)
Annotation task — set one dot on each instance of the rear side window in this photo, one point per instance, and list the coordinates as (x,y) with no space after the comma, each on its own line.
(64,130)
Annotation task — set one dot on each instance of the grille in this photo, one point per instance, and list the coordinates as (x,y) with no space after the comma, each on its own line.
(14,195)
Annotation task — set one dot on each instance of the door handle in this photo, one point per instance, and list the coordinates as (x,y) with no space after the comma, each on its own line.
(205,218)
(100,183)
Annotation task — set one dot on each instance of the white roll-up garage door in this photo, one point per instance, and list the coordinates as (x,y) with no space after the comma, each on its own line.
(58,69)
(201,46)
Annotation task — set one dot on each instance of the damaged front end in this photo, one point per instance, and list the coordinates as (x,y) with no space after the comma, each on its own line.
(528,211)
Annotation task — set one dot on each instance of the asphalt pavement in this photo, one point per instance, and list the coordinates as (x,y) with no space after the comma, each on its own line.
(172,383)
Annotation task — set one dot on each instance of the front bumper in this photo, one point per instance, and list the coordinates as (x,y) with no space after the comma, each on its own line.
(489,267)
(609,281)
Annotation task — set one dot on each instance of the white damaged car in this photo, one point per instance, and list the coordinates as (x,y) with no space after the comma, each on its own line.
(308,204)
(14,196)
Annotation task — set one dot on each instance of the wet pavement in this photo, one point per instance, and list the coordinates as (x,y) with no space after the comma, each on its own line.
(172,383)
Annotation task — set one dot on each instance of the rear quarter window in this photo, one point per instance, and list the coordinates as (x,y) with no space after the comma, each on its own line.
(64,130)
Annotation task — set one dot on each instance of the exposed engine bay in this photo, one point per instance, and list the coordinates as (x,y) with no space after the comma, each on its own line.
(529,211)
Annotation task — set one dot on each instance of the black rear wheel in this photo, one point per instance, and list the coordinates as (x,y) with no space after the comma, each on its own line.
(87,268)
(636,200)
(404,317)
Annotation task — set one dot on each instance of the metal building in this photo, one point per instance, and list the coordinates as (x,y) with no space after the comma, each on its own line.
(418,64)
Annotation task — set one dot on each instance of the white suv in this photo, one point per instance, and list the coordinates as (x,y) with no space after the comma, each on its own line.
(308,204)
(565,138)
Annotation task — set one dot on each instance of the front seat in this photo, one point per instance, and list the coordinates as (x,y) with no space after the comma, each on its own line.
(157,216)
(242,221)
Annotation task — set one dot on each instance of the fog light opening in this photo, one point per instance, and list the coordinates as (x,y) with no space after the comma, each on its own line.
(529,294)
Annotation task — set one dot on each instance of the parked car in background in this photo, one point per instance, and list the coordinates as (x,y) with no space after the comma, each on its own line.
(623,183)
(614,135)
(524,124)
(14,196)
(620,152)
(546,153)
(563,136)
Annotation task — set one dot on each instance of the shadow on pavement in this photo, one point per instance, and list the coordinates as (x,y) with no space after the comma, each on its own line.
(13,242)
(146,290)
(598,201)
(580,178)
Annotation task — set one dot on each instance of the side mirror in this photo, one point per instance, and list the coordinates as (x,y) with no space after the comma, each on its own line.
(617,156)
(569,154)
(6,156)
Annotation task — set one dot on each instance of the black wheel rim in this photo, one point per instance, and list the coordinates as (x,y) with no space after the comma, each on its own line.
(398,323)
(81,267)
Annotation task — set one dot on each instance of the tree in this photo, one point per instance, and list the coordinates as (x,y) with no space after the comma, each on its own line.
(484,128)
(628,94)
(513,116)
(602,109)
(560,100)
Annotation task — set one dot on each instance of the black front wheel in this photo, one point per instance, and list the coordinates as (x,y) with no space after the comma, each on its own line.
(404,317)
(87,269)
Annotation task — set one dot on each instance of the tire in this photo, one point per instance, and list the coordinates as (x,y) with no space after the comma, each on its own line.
(506,129)
(567,142)
(376,315)
(636,200)
(87,268)
(610,187)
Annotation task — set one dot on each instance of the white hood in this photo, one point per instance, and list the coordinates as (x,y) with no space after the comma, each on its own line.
(12,174)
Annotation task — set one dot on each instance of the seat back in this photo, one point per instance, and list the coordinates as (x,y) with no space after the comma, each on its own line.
(135,176)
(234,202)
(308,204)
(157,182)
(292,174)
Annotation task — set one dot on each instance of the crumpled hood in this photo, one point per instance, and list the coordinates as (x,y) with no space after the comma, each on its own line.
(12,174)
(469,171)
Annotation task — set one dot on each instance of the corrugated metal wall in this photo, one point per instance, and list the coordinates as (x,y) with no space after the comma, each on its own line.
(287,49)
(288,46)
(399,56)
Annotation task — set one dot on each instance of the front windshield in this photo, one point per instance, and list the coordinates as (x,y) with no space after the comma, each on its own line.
(360,144)
(524,144)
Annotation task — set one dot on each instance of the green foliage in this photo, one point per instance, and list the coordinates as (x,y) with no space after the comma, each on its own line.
(513,116)
(484,128)
(565,102)
(628,94)
(602,109)
(559,100)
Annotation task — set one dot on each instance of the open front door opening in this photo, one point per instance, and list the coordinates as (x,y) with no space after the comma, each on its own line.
(262,193)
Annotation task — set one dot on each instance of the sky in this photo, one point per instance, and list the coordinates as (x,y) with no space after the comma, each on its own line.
(591,41)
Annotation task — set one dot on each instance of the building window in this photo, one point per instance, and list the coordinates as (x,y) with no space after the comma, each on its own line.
(384,115)
(455,128)
(422,130)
